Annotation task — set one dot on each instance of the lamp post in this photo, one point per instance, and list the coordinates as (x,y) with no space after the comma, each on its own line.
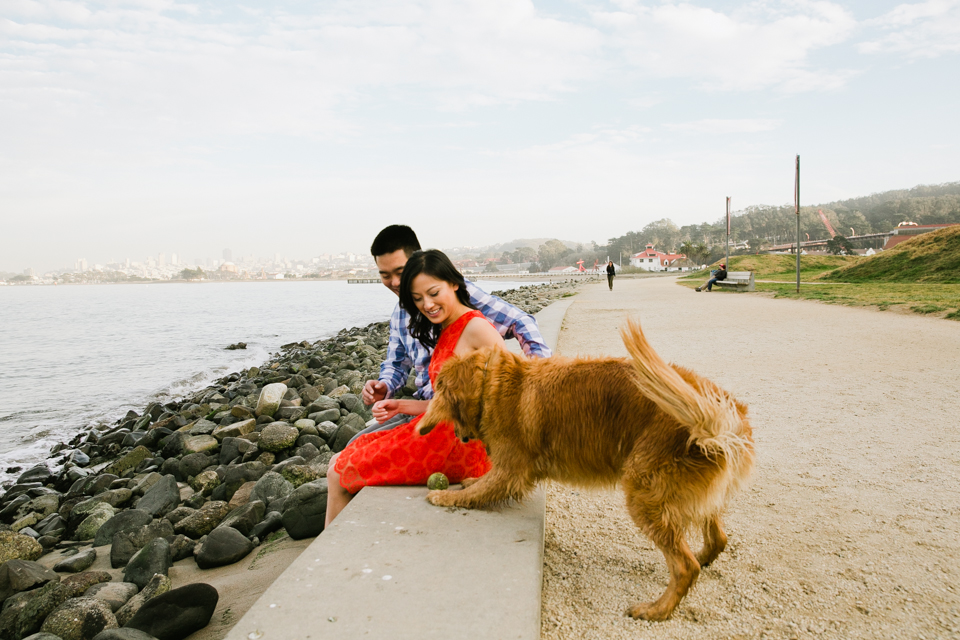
(796,204)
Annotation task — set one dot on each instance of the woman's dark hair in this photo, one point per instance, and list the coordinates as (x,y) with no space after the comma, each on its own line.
(394,238)
(436,264)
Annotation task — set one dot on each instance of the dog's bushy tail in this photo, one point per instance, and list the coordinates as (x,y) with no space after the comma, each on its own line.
(715,424)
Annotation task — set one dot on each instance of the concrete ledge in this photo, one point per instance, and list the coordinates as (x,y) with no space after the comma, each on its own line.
(394,566)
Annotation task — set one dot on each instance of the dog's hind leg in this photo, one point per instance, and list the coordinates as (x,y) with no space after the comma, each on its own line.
(714,541)
(683,566)
(495,486)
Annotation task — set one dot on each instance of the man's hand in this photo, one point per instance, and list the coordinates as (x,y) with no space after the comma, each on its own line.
(385,409)
(374,391)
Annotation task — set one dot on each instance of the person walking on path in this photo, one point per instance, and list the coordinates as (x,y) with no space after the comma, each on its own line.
(611,271)
(719,274)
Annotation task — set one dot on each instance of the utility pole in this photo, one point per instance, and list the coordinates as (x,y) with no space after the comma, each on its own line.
(796,204)
(727,261)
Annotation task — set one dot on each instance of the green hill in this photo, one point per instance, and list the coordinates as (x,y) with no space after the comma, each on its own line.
(931,258)
(784,267)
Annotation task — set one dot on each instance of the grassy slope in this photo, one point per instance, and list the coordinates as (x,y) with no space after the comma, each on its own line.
(783,267)
(931,258)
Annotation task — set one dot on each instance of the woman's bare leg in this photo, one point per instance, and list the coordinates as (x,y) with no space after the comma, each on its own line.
(337,496)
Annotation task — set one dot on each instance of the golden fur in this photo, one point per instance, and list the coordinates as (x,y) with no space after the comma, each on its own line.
(678,445)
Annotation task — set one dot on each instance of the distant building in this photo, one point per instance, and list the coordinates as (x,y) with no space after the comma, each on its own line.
(907,230)
(228,267)
(174,259)
(227,255)
(161,260)
(653,260)
(81,265)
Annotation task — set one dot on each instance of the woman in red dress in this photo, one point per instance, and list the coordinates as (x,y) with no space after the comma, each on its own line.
(435,295)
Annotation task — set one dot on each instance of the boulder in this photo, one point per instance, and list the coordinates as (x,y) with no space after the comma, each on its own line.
(15,545)
(194,463)
(77,562)
(161,498)
(271,522)
(327,415)
(222,547)
(123,521)
(179,514)
(145,483)
(39,473)
(304,511)
(23,575)
(270,489)
(345,433)
(127,543)
(123,633)
(242,495)
(245,518)
(203,428)
(200,444)
(79,619)
(42,505)
(277,436)
(205,482)
(270,398)
(176,614)
(130,461)
(235,430)
(237,474)
(113,594)
(42,635)
(298,474)
(158,585)
(78,583)
(35,610)
(181,547)
(204,520)
(152,559)
(97,517)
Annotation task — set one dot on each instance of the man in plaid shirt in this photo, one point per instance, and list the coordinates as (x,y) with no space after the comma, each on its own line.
(390,250)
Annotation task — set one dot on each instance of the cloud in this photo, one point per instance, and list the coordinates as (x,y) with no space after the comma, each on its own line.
(920,30)
(719,126)
(763,45)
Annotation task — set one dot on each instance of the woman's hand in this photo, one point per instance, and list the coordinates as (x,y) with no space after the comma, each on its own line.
(385,409)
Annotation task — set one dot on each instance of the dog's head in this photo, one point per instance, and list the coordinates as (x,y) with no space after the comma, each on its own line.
(457,394)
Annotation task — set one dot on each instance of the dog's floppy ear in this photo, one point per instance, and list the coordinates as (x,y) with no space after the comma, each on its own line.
(456,395)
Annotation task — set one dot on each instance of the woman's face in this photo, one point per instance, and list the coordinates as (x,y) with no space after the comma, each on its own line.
(436,299)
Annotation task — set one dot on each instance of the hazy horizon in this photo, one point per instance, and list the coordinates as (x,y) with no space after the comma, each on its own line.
(136,127)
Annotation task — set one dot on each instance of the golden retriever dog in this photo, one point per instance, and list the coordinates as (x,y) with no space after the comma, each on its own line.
(678,445)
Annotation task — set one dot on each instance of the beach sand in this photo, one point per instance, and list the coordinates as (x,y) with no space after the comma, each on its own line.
(850,526)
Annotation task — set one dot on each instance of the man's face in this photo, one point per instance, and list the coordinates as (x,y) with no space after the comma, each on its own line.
(390,266)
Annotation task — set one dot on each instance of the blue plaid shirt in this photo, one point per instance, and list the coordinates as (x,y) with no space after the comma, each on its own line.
(404,351)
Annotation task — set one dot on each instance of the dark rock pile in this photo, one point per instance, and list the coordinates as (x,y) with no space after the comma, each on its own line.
(207,477)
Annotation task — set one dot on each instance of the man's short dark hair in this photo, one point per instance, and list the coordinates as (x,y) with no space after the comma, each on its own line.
(393,238)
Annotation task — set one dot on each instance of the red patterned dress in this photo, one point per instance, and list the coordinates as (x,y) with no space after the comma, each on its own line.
(401,457)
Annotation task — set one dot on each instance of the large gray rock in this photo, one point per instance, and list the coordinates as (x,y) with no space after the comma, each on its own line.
(161,498)
(277,436)
(305,510)
(203,428)
(235,430)
(178,613)
(37,607)
(23,575)
(123,521)
(152,559)
(200,444)
(245,518)
(16,545)
(123,633)
(269,400)
(271,489)
(42,505)
(77,562)
(43,635)
(194,463)
(222,547)
(129,461)
(345,433)
(127,543)
(97,517)
(239,474)
(145,483)
(159,584)
(327,415)
(114,594)
(204,520)
(79,619)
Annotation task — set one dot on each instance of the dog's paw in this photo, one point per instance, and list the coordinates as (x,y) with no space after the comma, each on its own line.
(649,611)
(441,498)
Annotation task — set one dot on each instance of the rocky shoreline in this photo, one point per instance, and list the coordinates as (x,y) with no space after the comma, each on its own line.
(204,479)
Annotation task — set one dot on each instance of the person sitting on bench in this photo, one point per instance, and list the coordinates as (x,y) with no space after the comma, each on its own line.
(719,274)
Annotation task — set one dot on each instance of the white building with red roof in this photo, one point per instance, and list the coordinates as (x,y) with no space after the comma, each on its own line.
(653,260)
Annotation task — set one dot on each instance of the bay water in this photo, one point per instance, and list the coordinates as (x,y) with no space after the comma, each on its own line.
(75,356)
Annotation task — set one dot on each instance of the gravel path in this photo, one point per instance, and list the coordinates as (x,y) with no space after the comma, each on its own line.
(851,527)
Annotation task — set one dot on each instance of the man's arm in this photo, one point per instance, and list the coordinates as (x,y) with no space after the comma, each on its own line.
(510,321)
(396,366)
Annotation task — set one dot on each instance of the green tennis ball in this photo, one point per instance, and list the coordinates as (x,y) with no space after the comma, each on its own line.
(438,482)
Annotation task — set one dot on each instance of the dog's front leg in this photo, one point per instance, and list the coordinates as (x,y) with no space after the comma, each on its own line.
(495,486)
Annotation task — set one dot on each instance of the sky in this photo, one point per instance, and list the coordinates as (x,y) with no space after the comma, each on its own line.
(133,127)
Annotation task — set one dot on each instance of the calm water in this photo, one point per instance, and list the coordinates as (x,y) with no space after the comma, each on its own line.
(73,356)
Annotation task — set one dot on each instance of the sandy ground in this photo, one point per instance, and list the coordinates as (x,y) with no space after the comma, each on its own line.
(851,526)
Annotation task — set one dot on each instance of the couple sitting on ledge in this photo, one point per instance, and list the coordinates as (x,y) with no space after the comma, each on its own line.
(439,315)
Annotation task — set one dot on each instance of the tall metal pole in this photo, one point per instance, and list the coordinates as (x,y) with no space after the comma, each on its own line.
(727,261)
(796,201)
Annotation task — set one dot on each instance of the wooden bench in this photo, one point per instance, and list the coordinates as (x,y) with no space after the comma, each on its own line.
(738,281)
